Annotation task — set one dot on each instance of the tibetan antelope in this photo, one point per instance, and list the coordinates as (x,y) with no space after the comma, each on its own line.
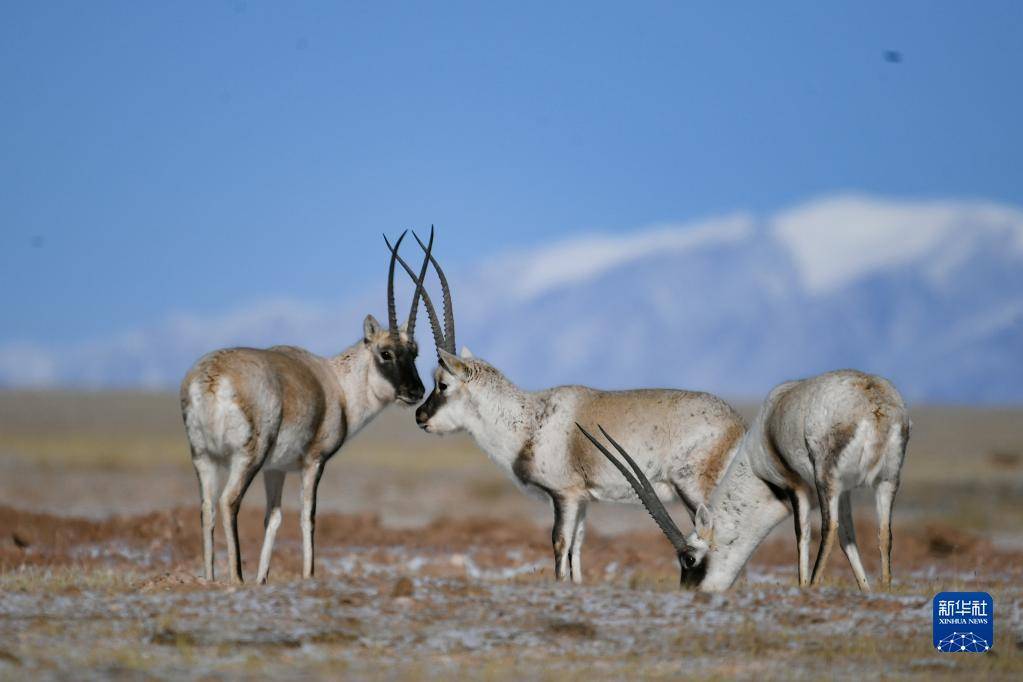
(682,439)
(817,438)
(284,409)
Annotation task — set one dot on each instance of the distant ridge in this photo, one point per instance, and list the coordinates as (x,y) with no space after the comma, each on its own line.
(929,293)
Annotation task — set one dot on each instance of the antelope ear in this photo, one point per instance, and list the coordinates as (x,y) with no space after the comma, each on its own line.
(453,364)
(704,523)
(370,328)
(466,353)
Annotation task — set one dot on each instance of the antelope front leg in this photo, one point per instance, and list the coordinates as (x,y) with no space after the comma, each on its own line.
(566,512)
(575,556)
(310,482)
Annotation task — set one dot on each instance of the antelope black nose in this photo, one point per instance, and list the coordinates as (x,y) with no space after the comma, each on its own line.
(421,417)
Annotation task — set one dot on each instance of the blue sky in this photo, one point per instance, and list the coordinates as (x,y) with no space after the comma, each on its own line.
(195,157)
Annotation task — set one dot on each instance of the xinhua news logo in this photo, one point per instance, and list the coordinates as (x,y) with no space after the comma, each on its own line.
(964,622)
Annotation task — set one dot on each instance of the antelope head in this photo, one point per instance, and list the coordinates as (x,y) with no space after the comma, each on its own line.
(460,382)
(393,374)
(451,403)
(691,549)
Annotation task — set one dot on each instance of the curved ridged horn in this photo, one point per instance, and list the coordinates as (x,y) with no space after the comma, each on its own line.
(449,314)
(411,329)
(643,489)
(438,335)
(392,312)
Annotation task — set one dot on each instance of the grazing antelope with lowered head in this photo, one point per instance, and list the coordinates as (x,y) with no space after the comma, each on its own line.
(682,439)
(817,438)
(285,409)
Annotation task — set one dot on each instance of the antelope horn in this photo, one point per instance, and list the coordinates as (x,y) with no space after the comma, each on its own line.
(644,490)
(449,313)
(419,288)
(639,475)
(392,313)
(438,335)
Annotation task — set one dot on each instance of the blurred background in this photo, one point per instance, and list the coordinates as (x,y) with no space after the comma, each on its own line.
(718,198)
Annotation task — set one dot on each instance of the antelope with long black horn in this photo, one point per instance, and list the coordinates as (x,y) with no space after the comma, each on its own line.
(813,442)
(285,409)
(683,439)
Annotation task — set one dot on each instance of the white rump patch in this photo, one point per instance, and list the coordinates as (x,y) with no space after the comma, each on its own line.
(216,426)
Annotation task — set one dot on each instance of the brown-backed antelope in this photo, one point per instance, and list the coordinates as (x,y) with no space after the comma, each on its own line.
(682,439)
(284,409)
(814,440)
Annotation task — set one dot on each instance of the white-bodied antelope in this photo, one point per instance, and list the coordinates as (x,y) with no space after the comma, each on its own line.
(683,440)
(285,409)
(814,441)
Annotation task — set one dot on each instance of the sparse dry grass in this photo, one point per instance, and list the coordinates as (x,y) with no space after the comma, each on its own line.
(140,430)
(114,451)
(65,578)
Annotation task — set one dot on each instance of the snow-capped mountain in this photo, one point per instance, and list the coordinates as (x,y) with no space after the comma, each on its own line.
(927,293)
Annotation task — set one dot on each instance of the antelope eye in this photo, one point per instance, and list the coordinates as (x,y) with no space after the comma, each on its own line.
(386,355)
(442,387)
(690,560)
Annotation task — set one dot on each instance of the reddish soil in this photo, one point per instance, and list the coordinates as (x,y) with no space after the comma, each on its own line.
(170,540)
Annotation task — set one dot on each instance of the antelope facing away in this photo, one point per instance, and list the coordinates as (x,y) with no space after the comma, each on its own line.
(817,438)
(285,409)
(683,440)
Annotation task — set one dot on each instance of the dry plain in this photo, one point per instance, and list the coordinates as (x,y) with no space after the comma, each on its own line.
(432,565)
